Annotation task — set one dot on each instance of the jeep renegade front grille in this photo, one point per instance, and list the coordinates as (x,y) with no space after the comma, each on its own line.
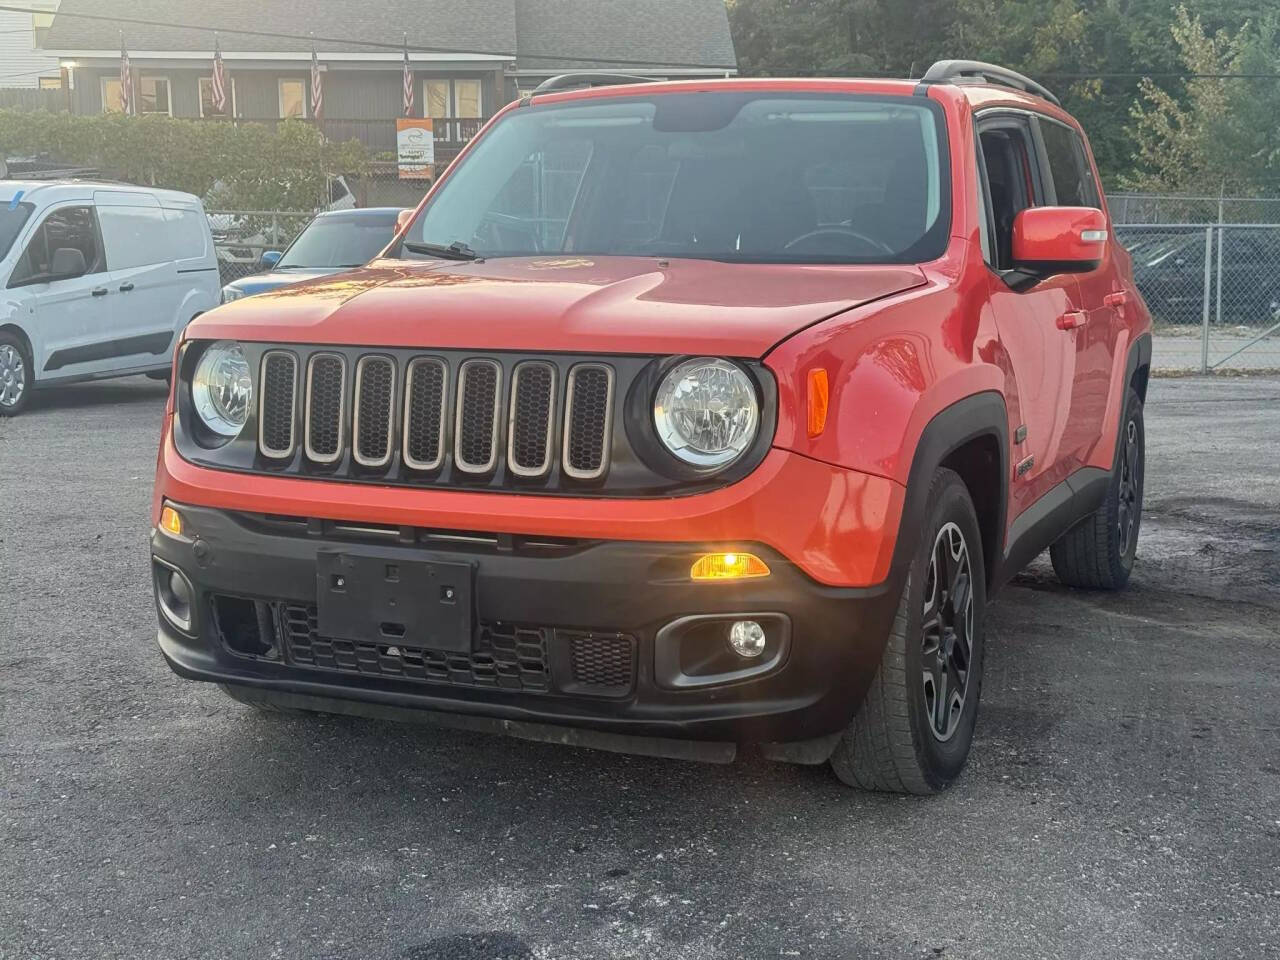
(418,418)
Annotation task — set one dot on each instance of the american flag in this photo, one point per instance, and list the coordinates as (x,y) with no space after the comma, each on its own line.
(408,81)
(317,87)
(219,78)
(126,79)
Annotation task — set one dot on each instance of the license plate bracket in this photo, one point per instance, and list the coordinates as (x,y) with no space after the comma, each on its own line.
(385,599)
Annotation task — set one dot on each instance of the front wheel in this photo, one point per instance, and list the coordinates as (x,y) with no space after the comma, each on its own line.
(15,375)
(912,732)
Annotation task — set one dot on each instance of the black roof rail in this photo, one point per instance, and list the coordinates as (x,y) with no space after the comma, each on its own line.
(567,81)
(951,71)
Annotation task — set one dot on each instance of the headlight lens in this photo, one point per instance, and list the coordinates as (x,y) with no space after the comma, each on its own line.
(222,389)
(706,412)
(230,293)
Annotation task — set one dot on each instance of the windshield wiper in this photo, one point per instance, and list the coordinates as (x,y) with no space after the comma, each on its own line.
(454,251)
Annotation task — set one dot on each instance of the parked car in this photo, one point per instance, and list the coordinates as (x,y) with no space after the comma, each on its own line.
(242,239)
(329,244)
(98,281)
(1169,270)
(679,417)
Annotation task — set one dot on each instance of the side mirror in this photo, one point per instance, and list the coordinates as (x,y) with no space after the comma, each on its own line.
(67,263)
(1050,240)
(402,219)
(269,259)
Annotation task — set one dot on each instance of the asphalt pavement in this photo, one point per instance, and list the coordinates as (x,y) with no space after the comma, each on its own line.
(1122,799)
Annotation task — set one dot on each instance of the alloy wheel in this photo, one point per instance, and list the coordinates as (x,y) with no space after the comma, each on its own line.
(947,621)
(1130,485)
(13,375)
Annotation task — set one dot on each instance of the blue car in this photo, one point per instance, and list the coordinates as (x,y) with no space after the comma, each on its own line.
(332,242)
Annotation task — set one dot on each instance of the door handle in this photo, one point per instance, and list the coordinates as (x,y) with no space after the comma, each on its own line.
(126,287)
(1069,321)
(1117,299)
(99,291)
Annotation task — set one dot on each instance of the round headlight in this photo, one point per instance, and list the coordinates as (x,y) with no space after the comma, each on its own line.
(222,390)
(706,413)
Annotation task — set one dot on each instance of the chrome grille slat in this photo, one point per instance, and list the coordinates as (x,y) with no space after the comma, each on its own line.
(372,435)
(588,421)
(278,405)
(532,418)
(425,393)
(325,428)
(475,444)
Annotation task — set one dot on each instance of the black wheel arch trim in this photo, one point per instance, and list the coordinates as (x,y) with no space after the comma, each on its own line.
(978,415)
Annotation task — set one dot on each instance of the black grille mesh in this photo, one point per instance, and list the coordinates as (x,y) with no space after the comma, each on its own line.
(374,409)
(324,407)
(279,373)
(531,414)
(476,414)
(505,656)
(604,662)
(425,403)
(588,420)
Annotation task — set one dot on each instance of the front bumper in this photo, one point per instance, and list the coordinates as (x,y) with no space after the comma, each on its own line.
(598,650)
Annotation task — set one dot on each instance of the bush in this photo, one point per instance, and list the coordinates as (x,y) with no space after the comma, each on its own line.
(249,166)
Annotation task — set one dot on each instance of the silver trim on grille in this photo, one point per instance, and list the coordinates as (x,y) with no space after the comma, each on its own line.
(463,370)
(409,459)
(342,410)
(285,452)
(512,465)
(606,439)
(391,412)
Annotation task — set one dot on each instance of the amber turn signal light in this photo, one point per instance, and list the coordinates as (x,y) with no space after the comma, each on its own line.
(728,566)
(819,396)
(171,520)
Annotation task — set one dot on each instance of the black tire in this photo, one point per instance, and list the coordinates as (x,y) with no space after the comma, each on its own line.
(263,700)
(1098,552)
(15,365)
(893,743)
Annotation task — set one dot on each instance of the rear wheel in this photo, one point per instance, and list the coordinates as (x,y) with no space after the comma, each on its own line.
(15,375)
(1098,552)
(912,732)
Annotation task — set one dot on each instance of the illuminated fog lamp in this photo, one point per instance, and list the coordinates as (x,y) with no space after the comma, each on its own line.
(171,521)
(728,566)
(746,638)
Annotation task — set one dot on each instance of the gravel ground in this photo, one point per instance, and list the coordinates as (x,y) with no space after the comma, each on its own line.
(1122,799)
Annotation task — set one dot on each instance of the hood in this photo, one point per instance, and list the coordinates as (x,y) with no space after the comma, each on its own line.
(262,282)
(580,304)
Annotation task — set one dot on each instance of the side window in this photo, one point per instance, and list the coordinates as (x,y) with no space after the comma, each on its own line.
(135,236)
(1011,181)
(1072,176)
(67,228)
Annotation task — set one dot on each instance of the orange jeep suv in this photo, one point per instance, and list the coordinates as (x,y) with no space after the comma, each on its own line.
(679,418)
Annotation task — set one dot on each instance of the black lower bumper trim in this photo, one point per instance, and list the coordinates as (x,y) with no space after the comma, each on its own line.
(601,658)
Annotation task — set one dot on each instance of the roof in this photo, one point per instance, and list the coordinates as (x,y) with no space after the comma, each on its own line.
(556,35)
(482,26)
(545,35)
(362,213)
(87,188)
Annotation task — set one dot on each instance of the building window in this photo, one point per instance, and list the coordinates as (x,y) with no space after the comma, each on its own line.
(452,98)
(206,99)
(40,24)
(50,83)
(111,99)
(293,99)
(153,95)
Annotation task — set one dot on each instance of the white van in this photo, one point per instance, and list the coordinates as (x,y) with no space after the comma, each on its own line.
(96,281)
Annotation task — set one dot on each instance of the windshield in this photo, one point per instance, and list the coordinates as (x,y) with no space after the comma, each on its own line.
(726,176)
(339,242)
(12,218)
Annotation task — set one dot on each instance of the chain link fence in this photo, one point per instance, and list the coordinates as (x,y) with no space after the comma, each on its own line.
(1209,270)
